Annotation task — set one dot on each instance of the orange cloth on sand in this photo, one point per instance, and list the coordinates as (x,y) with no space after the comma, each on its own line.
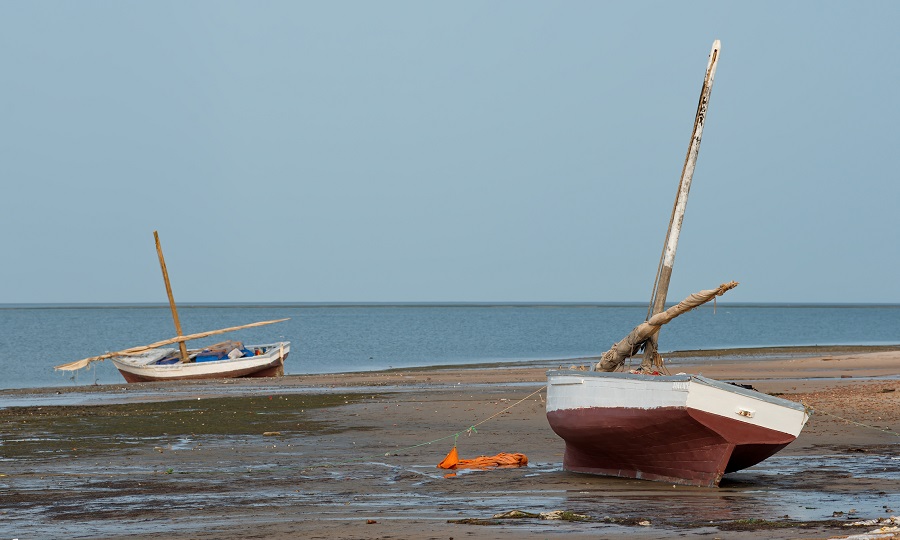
(502,459)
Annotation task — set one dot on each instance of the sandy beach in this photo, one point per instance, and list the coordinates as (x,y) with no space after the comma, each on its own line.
(355,455)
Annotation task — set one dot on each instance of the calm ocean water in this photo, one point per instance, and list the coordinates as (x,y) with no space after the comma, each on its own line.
(339,338)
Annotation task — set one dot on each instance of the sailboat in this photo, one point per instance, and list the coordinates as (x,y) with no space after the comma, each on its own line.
(224,360)
(645,424)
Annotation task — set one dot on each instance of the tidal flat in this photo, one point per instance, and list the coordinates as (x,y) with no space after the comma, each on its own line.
(354,456)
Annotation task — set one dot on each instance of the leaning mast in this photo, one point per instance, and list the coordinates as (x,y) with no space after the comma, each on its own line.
(667,259)
(165,273)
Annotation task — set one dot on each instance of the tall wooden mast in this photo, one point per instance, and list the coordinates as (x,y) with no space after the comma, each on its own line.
(162,264)
(667,259)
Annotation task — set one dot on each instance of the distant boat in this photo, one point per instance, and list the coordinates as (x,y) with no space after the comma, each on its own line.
(683,429)
(230,359)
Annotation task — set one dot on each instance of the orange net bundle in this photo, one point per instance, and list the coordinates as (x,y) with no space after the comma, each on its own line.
(502,459)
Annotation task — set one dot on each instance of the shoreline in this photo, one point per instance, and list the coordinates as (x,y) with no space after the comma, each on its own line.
(675,360)
(295,456)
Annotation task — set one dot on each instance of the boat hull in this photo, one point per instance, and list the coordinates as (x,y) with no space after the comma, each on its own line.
(271,364)
(683,429)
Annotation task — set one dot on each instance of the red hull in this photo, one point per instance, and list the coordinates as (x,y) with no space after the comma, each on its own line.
(677,445)
(273,369)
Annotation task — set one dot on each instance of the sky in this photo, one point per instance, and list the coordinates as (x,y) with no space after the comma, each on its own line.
(460,151)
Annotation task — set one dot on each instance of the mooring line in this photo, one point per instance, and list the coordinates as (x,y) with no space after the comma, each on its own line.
(884,430)
(469,430)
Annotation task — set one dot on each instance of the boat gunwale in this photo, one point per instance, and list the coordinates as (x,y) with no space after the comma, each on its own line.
(699,379)
(275,350)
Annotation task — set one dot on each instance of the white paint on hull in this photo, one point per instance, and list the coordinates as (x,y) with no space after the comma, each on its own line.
(758,410)
(568,390)
(573,390)
(144,365)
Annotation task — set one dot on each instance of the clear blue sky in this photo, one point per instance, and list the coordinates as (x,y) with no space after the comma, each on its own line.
(446,151)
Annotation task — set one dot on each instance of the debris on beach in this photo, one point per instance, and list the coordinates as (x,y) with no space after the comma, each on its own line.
(883,522)
(501,460)
(515,514)
(564,515)
(554,515)
(887,528)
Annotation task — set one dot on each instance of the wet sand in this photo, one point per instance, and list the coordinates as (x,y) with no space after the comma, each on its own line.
(354,456)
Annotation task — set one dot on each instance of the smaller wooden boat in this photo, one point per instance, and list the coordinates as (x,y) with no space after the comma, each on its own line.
(226,360)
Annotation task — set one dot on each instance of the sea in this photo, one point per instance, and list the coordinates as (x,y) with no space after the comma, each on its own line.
(335,338)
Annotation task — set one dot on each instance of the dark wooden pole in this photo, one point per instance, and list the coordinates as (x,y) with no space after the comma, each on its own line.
(162,263)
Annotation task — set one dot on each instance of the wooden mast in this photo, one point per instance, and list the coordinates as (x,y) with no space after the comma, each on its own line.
(162,263)
(667,259)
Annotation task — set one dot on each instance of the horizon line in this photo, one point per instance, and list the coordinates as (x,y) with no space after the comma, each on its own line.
(455,304)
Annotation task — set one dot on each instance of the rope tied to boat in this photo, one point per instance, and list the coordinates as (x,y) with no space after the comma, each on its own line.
(810,408)
(455,436)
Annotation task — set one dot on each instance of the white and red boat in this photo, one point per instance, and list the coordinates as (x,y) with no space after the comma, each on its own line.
(682,429)
(221,361)
(228,359)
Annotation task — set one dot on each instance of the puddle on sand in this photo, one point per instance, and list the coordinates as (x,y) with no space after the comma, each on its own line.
(796,486)
(789,487)
(862,465)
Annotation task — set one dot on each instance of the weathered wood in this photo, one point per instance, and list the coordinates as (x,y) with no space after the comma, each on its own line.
(162,264)
(616,355)
(667,260)
(78,364)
